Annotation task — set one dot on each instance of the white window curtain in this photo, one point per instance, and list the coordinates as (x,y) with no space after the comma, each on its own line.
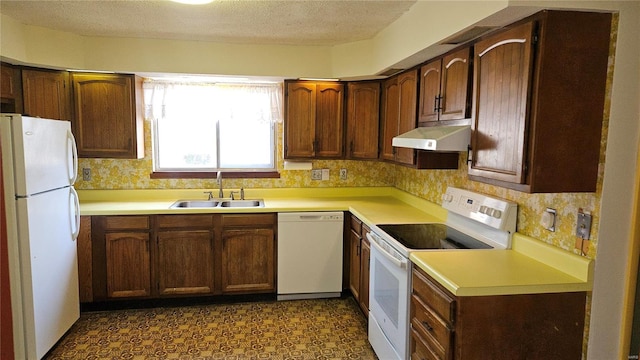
(164,99)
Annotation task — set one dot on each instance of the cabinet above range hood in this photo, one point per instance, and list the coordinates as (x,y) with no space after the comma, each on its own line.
(436,138)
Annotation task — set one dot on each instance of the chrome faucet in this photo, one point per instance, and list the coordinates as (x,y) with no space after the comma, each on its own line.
(210,194)
(219,179)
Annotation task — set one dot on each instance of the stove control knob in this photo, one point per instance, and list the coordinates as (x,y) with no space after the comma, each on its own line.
(496,213)
(484,210)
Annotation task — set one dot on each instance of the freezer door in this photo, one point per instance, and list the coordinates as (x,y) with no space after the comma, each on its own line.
(49,266)
(44,154)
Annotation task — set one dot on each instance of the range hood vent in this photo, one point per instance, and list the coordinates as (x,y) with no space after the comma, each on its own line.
(436,138)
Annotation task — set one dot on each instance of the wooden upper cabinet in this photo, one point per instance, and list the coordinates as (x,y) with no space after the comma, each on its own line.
(399,97)
(108,115)
(503,64)
(46,94)
(390,114)
(455,97)
(314,120)
(408,88)
(10,89)
(538,106)
(363,112)
(430,90)
(445,91)
(300,122)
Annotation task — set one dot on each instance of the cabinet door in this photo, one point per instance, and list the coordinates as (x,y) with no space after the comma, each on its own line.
(430,90)
(128,265)
(354,263)
(248,260)
(363,102)
(408,90)
(85,266)
(503,73)
(185,262)
(46,94)
(10,89)
(106,121)
(365,257)
(329,121)
(455,99)
(300,130)
(390,115)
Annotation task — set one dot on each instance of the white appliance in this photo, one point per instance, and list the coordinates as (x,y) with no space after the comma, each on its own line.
(309,255)
(474,221)
(39,160)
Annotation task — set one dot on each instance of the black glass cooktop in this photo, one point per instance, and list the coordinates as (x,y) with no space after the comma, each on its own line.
(431,236)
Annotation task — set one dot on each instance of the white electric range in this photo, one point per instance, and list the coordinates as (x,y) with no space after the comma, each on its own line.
(474,221)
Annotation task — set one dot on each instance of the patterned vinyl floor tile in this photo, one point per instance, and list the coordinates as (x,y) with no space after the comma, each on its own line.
(297,329)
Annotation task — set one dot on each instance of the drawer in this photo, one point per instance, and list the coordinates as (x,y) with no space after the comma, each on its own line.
(433,296)
(126,222)
(356,225)
(185,221)
(248,219)
(433,329)
(419,348)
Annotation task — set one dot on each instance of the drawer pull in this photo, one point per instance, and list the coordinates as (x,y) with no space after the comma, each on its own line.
(427,326)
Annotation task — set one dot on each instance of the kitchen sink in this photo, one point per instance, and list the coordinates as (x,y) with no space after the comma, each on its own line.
(217,203)
(242,203)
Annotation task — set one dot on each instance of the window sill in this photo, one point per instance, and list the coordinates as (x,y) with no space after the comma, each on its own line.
(213,175)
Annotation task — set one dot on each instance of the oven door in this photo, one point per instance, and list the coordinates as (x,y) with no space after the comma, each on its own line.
(388,300)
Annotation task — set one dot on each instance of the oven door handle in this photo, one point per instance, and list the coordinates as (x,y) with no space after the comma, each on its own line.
(399,263)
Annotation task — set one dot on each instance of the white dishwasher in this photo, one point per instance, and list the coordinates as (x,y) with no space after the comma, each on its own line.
(309,255)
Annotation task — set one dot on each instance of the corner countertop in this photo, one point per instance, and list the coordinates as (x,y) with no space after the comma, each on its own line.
(531,266)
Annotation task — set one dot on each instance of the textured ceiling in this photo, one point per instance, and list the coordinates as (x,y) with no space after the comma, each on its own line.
(292,22)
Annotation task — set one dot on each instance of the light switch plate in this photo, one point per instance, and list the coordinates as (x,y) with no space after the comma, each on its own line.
(325,174)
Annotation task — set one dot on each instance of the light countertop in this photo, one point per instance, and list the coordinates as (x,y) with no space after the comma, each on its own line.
(529,267)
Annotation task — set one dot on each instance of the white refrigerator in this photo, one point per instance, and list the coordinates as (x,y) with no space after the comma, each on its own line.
(39,160)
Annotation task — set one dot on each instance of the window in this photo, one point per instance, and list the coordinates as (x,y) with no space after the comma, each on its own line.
(210,127)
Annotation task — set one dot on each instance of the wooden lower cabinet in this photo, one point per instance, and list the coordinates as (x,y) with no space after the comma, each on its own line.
(185,254)
(248,260)
(523,326)
(128,264)
(157,256)
(248,253)
(365,256)
(359,255)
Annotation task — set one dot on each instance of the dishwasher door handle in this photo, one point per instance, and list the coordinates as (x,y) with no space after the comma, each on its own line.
(311,217)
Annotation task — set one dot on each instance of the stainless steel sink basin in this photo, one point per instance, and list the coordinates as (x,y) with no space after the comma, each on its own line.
(242,203)
(217,203)
(195,204)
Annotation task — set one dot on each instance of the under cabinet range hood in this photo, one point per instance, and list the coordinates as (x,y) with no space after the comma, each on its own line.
(436,138)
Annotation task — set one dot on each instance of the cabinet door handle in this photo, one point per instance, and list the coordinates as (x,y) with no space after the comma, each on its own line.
(427,326)
(440,98)
(469,160)
(435,103)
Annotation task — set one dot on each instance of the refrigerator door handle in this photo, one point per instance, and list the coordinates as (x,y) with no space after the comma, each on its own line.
(74,213)
(73,175)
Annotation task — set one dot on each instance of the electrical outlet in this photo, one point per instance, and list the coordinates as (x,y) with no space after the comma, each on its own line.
(316,174)
(583,228)
(343,174)
(86,174)
(325,174)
